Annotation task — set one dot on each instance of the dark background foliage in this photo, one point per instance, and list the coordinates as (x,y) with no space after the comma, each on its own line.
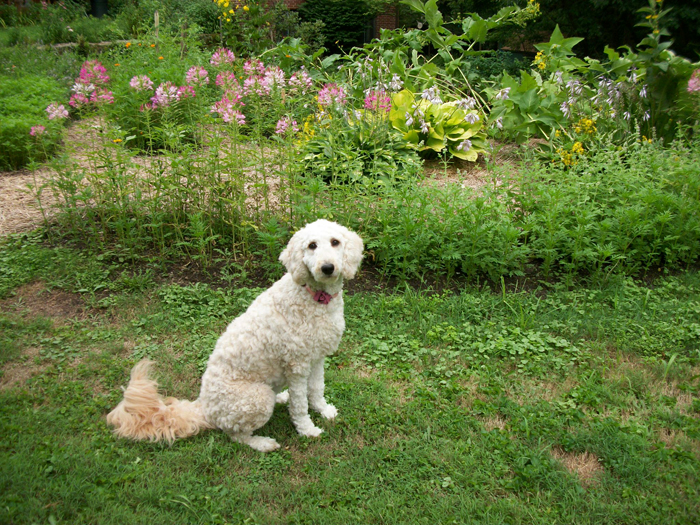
(599,22)
(345,21)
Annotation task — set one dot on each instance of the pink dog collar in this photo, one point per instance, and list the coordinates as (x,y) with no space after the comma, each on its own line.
(320,296)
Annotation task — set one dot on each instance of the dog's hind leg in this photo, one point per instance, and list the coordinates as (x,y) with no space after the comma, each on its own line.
(260,443)
(239,408)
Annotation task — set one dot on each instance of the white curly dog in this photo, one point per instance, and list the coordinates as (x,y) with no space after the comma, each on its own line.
(280,341)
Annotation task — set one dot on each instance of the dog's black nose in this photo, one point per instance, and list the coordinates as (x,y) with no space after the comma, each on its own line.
(327,269)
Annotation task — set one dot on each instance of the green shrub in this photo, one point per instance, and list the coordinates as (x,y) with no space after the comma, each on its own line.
(634,209)
(344,21)
(204,13)
(30,60)
(23,104)
(483,67)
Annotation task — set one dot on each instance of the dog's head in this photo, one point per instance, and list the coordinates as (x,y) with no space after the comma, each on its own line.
(322,251)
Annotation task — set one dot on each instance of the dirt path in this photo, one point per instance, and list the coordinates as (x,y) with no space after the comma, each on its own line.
(19,207)
(20,210)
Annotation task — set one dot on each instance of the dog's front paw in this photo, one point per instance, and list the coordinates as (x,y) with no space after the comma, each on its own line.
(311,432)
(306,427)
(329,412)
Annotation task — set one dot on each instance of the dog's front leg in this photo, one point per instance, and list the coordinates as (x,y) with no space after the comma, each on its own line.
(299,406)
(316,389)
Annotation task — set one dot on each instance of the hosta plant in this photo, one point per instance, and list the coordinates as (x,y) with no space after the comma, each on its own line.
(430,124)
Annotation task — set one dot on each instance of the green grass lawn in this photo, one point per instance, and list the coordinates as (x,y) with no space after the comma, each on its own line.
(551,405)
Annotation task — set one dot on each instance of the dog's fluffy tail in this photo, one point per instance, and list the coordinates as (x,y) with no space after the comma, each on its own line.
(144,414)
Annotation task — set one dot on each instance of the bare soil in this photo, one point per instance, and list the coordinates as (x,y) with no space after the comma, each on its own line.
(20,209)
(36,300)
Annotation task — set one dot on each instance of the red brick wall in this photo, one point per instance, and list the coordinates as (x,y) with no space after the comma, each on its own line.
(293,4)
(386,20)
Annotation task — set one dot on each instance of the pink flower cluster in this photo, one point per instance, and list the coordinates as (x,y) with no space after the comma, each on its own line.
(226,80)
(378,100)
(89,86)
(165,94)
(331,93)
(694,82)
(264,83)
(254,66)
(56,111)
(93,72)
(221,57)
(228,108)
(37,130)
(197,76)
(283,126)
(300,83)
(141,83)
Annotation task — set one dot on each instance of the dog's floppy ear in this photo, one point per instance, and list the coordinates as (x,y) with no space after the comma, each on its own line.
(352,254)
(292,258)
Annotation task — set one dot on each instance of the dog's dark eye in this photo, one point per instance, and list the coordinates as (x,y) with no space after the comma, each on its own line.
(335,242)
(312,246)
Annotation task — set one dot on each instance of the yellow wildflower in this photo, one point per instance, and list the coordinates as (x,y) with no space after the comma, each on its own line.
(246,8)
(540,60)
(577,148)
(117,141)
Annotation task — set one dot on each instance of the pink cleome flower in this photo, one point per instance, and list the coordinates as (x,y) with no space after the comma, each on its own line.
(141,83)
(37,131)
(166,94)
(102,96)
(300,82)
(254,66)
(185,92)
(331,93)
(56,111)
(283,125)
(694,82)
(197,76)
(221,57)
(93,72)
(378,100)
(78,100)
(255,84)
(226,80)
(273,78)
(227,108)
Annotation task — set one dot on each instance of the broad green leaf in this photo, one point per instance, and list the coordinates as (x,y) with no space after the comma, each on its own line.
(612,54)
(434,143)
(416,5)
(527,82)
(475,28)
(432,14)
(471,155)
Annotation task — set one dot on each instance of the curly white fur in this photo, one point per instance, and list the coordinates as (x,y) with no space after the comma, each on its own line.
(280,341)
